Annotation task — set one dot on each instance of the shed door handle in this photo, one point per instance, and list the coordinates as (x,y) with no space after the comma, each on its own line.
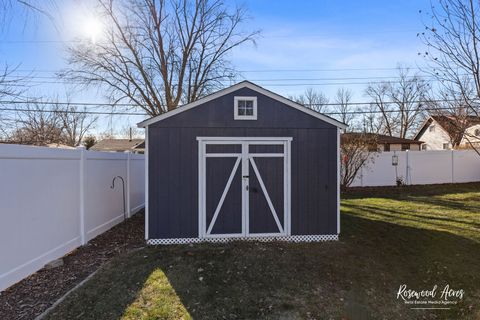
(246,177)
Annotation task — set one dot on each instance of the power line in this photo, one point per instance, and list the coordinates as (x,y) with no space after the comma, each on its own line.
(311,84)
(382,111)
(322,70)
(306,69)
(72,103)
(68,103)
(13,77)
(266,36)
(40,41)
(76,112)
(145,114)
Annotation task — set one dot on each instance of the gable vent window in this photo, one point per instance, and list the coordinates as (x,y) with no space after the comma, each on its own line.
(245,108)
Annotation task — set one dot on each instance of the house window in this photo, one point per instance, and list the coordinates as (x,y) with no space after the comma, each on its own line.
(245,108)
(446,146)
(431,128)
(405,146)
(386,147)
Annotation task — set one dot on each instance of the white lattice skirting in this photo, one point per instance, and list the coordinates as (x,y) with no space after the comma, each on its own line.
(305,238)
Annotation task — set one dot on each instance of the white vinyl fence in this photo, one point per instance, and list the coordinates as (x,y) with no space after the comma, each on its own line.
(54,200)
(421,167)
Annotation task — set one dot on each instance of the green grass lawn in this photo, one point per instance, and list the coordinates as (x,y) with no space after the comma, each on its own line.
(418,236)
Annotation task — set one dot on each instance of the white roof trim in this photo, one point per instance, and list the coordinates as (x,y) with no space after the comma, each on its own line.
(243,84)
(416,137)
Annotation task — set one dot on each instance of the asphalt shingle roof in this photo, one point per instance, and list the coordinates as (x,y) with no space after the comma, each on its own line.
(116,144)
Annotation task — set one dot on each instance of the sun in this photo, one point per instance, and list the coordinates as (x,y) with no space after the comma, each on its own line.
(93,28)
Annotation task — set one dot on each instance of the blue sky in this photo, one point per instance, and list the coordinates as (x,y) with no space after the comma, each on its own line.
(317,39)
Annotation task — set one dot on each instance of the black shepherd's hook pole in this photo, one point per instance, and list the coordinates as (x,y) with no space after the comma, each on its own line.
(124,211)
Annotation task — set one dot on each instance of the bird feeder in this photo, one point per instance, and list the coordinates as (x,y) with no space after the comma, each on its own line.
(395,160)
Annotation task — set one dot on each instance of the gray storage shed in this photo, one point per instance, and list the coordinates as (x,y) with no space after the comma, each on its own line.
(243,162)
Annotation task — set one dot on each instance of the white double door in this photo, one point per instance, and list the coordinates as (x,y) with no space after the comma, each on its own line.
(244,187)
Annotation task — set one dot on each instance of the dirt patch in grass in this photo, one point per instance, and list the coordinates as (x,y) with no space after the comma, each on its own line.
(381,247)
(33,295)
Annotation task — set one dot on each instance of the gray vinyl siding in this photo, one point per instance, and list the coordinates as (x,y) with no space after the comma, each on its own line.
(173,163)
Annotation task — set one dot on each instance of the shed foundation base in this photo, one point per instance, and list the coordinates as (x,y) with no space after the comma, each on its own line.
(304,238)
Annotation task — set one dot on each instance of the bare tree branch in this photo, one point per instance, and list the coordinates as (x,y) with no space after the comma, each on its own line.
(403,112)
(453,55)
(343,99)
(312,99)
(160,54)
(43,124)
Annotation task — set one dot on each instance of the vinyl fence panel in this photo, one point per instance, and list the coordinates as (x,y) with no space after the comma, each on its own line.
(430,167)
(103,204)
(53,200)
(466,166)
(420,167)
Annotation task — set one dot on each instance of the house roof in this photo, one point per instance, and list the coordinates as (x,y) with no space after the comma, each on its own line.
(117,144)
(240,85)
(448,124)
(59,146)
(379,138)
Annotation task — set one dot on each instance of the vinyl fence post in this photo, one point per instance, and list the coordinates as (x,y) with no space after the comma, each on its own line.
(453,167)
(82,195)
(361,176)
(129,163)
(407,168)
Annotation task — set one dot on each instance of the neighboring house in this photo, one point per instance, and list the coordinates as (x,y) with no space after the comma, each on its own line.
(443,133)
(59,146)
(386,143)
(243,162)
(120,145)
(48,145)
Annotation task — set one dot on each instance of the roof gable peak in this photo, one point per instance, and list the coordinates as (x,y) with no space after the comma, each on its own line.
(235,87)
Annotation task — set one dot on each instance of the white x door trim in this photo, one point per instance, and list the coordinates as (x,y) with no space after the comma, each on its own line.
(244,160)
(267,197)
(224,194)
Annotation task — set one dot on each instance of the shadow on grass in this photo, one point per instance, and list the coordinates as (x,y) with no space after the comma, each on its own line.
(412,190)
(422,220)
(355,278)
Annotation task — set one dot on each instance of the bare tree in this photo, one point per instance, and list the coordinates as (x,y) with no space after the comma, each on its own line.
(372,122)
(312,99)
(386,122)
(357,150)
(11,86)
(343,99)
(160,54)
(37,125)
(75,124)
(400,103)
(452,36)
(43,124)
